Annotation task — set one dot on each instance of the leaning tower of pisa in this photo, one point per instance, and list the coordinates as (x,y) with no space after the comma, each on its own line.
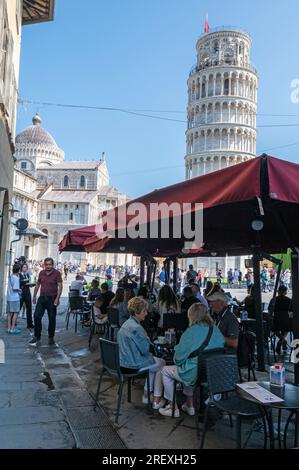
(222,103)
(222,106)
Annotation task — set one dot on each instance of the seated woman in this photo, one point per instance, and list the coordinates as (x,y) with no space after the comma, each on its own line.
(118,302)
(134,351)
(95,291)
(185,368)
(281,308)
(167,303)
(100,317)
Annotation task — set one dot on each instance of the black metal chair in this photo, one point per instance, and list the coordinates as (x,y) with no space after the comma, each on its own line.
(250,325)
(76,308)
(113,322)
(222,377)
(111,365)
(100,328)
(246,354)
(198,392)
(72,293)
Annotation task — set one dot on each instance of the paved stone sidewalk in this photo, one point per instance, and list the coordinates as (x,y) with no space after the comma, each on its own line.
(44,403)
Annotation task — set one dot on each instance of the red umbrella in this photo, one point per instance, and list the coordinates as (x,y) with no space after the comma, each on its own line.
(73,240)
(264,188)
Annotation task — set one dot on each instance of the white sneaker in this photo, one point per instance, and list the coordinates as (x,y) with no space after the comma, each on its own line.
(167,411)
(161,404)
(145,400)
(188,409)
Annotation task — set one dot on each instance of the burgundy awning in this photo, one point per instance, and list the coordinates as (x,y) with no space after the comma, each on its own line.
(265,188)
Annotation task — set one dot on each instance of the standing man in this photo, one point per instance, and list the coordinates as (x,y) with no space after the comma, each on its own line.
(236,277)
(50,283)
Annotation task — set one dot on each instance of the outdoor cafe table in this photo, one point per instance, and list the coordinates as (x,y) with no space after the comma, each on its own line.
(290,395)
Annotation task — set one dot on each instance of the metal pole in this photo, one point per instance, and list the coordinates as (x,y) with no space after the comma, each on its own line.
(154,273)
(277,280)
(148,271)
(175,275)
(142,271)
(168,272)
(258,312)
(295,303)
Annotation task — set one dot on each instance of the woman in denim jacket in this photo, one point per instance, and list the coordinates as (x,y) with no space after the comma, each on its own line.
(134,351)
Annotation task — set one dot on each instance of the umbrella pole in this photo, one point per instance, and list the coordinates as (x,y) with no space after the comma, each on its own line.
(175,275)
(258,312)
(295,302)
(142,260)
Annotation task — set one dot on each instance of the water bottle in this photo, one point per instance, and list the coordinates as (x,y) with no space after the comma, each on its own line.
(277,375)
(244,315)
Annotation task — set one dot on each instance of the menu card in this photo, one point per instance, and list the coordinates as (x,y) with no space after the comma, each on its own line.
(259,393)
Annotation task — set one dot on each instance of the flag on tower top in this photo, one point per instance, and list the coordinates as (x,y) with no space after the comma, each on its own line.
(207,26)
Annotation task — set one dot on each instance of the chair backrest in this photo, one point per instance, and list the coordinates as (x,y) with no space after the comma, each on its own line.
(201,363)
(222,373)
(76,303)
(246,348)
(178,321)
(110,356)
(113,317)
(73,293)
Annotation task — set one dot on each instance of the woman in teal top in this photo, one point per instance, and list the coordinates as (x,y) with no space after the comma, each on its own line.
(185,368)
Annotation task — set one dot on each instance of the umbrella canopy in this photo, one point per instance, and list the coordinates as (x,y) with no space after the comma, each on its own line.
(73,239)
(264,189)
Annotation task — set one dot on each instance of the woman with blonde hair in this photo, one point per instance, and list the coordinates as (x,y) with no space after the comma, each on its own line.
(134,351)
(202,333)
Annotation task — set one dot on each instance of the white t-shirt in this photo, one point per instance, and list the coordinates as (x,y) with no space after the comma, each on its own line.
(77,285)
(13,283)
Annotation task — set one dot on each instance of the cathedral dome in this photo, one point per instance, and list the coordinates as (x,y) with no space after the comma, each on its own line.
(36,135)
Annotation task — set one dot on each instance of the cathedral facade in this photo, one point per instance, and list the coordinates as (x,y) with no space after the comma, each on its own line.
(56,195)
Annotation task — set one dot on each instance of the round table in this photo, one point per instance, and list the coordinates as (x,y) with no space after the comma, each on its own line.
(290,395)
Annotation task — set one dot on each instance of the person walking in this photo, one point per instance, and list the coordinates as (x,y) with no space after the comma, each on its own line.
(26,294)
(50,285)
(65,270)
(191,274)
(13,300)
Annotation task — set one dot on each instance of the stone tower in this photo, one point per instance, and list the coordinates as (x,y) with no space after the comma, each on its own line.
(222,107)
(222,103)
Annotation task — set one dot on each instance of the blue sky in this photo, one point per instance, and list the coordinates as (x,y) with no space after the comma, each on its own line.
(136,54)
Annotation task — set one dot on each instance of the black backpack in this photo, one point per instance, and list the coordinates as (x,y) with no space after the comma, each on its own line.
(246,348)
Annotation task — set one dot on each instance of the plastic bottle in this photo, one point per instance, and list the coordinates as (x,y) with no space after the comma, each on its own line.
(244,315)
(277,375)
